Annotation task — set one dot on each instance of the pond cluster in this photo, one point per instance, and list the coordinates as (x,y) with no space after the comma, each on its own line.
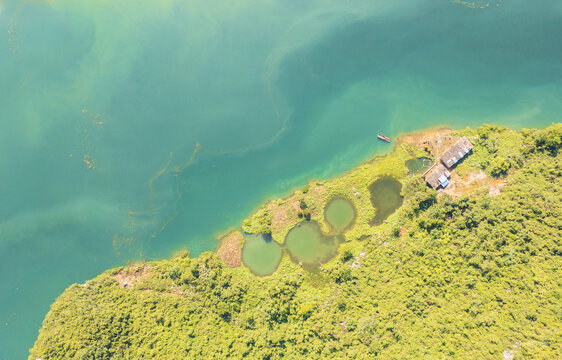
(306,244)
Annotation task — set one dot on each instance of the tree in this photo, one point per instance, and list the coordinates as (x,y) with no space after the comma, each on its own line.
(499,167)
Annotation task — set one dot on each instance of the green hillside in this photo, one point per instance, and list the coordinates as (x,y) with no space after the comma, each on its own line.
(474,274)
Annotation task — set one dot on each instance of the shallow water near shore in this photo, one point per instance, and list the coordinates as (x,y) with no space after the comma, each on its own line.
(133,129)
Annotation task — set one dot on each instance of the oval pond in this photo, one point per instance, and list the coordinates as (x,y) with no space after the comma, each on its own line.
(417,165)
(385,197)
(261,254)
(339,213)
(307,244)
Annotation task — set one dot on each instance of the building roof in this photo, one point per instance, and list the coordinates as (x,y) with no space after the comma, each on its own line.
(456,152)
(438,177)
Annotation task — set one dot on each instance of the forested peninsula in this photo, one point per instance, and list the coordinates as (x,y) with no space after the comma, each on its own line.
(471,271)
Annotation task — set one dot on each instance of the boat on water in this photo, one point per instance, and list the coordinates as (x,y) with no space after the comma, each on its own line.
(383,137)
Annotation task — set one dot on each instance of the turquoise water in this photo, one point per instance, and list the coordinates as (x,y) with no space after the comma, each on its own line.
(133,129)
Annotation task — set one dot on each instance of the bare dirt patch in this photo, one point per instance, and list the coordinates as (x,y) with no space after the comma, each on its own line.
(460,185)
(436,141)
(230,248)
(129,276)
(495,186)
(285,213)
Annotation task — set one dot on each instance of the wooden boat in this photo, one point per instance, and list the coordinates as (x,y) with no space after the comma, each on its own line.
(383,137)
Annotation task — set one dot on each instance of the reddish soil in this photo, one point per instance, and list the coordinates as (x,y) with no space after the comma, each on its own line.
(131,275)
(230,249)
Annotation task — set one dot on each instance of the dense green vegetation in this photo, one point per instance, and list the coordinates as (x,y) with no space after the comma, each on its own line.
(466,277)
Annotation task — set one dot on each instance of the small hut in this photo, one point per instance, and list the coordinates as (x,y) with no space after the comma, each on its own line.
(439,177)
(456,152)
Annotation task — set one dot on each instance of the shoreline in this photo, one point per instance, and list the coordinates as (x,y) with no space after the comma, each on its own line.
(282,211)
(428,248)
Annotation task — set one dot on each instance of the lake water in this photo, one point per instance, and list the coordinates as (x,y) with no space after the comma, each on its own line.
(131,129)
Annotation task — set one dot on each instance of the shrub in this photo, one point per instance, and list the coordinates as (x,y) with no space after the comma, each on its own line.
(346,256)
(499,166)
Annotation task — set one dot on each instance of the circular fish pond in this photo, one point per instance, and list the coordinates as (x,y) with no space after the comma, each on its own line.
(418,165)
(339,213)
(385,197)
(261,254)
(307,244)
